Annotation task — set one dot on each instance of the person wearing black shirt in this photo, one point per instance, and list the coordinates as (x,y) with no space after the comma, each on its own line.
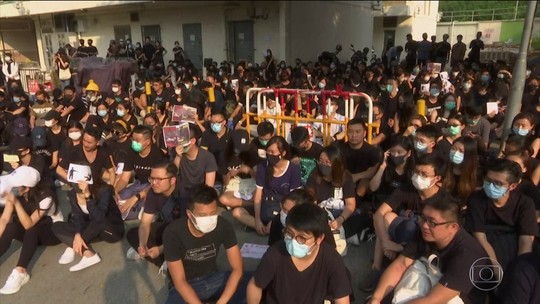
(73,106)
(361,158)
(457,254)
(148,49)
(304,151)
(191,245)
(257,146)
(91,50)
(500,218)
(159,95)
(304,257)
(103,119)
(216,139)
(162,201)
(118,94)
(141,159)
(382,137)
(119,145)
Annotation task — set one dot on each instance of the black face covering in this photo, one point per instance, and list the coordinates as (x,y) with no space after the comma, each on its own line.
(272,159)
(397,160)
(325,170)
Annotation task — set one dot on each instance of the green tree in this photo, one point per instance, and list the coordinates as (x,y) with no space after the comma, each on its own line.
(481,10)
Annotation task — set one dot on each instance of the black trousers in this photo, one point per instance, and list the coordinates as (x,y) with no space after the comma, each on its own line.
(155,238)
(40,234)
(95,230)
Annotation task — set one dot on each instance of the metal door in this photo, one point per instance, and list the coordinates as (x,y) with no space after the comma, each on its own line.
(122,32)
(193,43)
(389,39)
(241,45)
(152,31)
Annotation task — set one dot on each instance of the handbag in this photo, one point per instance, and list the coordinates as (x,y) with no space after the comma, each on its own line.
(418,280)
(64,74)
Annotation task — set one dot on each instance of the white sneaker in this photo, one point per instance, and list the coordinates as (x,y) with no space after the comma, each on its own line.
(15,281)
(132,254)
(67,257)
(86,262)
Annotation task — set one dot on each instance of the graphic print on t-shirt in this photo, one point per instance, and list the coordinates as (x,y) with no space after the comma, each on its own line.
(201,254)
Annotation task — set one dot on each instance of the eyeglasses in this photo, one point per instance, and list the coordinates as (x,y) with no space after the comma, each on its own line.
(432,224)
(494,182)
(319,162)
(117,133)
(300,239)
(157,179)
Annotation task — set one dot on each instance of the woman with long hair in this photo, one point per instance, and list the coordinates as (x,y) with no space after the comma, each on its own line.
(274,179)
(453,130)
(333,188)
(406,110)
(124,111)
(28,216)
(462,176)
(94,215)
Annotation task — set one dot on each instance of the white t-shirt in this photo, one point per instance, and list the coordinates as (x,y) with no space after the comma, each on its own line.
(47,204)
(334,128)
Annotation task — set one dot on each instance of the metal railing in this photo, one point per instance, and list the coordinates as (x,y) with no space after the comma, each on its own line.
(516,13)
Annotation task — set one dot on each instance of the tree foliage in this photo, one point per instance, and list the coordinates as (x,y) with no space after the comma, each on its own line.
(482,10)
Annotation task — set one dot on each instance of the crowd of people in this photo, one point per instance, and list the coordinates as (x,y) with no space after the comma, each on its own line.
(426,186)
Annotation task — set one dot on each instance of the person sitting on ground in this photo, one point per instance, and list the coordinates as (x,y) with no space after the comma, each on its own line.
(396,219)
(257,146)
(336,130)
(501,219)
(521,282)
(94,216)
(457,252)
(305,152)
(36,212)
(191,246)
(304,257)
(425,141)
(215,140)
(274,179)
(163,204)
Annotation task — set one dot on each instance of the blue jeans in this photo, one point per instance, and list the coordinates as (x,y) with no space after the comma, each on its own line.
(131,191)
(210,287)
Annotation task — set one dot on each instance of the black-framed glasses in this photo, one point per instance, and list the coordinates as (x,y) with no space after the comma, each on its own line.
(299,238)
(117,133)
(431,223)
(494,182)
(157,179)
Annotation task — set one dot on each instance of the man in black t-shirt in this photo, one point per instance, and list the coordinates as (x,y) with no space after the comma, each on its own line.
(142,157)
(191,247)
(146,240)
(73,106)
(159,95)
(361,158)
(302,268)
(460,258)
(500,218)
(257,146)
(305,152)
(216,141)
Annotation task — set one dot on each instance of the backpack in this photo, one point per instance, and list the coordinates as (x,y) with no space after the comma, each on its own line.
(39,137)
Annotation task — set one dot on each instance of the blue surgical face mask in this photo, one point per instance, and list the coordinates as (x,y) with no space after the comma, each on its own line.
(389,87)
(102,113)
(467,86)
(321,85)
(450,104)
(17,99)
(120,113)
(296,249)
(434,92)
(216,127)
(420,147)
(485,78)
(494,192)
(520,131)
(456,157)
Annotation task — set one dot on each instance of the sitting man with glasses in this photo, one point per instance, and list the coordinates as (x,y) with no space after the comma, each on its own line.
(163,203)
(457,254)
(302,268)
(501,218)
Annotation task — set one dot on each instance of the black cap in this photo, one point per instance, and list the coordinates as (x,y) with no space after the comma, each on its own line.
(298,135)
(240,140)
(21,126)
(20,142)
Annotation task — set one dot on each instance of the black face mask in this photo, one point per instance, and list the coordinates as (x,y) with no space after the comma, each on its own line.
(397,160)
(273,159)
(325,170)
(532,87)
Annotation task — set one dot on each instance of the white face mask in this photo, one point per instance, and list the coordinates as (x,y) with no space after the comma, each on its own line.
(115,89)
(48,123)
(8,58)
(177,91)
(282,217)
(329,109)
(420,182)
(205,224)
(75,135)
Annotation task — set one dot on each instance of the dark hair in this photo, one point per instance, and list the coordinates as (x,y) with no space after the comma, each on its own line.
(70,88)
(522,115)
(93,131)
(299,196)
(338,167)
(194,132)
(74,124)
(308,218)
(433,160)
(265,128)
(473,111)
(465,183)
(202,194)
(117,82)
(356,121)
(172,170)
(216,111)
(447,206)
(506,166)
(144,130)
(283,146)
(126,105)
(403,141)
(430,131)
(522,145)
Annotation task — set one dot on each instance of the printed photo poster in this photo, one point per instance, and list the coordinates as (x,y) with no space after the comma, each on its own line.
(77,173)
(183,113)
(434,67)
(176,135)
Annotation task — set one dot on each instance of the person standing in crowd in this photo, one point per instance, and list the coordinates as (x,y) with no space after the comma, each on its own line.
(36,211)
(63,67)
(159,53)
(81,49)
(191,246)
(411,47)
(10,69)
(149,50)
(458,51)
(91,50)
(475,46)
(442,51)
(179,55)
(424,50)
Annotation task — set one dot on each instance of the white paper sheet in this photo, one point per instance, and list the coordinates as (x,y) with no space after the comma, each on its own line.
(78,173)
(492,107)
(254,251)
